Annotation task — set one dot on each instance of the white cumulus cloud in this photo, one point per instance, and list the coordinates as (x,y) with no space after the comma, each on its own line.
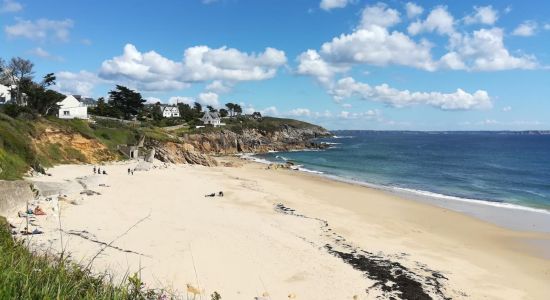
(459,100)
(10,6)
(484,50)
(482,15)
(380,15)
(312,64)
(413,10)
(377,46)
(41,29)
(332,4)
(438,20)
(40,52)
(209,98)
(81,83)
(219,87)
(151,71)
(527,28)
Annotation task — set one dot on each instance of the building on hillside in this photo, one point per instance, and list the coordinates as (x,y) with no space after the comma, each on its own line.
(170,112)
(71,108)
(5,94)
(212,118)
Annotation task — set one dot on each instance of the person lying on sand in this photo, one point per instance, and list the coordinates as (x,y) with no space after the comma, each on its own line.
(27,232)
(210,195)
(39,212)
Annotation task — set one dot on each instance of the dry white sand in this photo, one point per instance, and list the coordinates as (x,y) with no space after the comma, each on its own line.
(240,246)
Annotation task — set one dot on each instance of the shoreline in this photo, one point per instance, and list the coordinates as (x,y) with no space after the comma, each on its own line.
(506,215)
(245,243)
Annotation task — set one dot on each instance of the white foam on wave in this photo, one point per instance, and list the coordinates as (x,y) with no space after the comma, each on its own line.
(342,137)
(436,196)
(252,157)
(302,169)
(306,150)
(422,193)
(470,200)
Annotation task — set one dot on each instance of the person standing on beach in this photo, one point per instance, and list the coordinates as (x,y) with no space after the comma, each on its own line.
(98,170)
(94,169)
(129,171)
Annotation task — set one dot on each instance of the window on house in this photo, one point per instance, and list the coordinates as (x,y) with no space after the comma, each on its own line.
(66,113)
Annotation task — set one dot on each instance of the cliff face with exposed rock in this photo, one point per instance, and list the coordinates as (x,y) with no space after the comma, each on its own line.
(197,148)
(255,141)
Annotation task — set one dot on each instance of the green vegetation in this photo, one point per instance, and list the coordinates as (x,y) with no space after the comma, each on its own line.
(21,148)
(266,124)
(16,153)
(26,275)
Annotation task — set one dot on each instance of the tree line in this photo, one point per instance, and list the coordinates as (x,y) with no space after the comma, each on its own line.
(37,98)
(28,96)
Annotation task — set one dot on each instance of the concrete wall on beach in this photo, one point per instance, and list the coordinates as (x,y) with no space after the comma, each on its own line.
(13,196)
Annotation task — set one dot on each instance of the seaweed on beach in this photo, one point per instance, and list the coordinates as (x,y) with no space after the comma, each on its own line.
(392,279)
(87,236)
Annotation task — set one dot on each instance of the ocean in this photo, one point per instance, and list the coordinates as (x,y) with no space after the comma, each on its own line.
(498,168)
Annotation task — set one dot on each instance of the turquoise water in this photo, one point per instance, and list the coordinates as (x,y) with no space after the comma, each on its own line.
(499,167)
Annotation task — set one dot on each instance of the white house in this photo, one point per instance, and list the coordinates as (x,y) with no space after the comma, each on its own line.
(71,108)
(5,94)
(170,112)
(212,118)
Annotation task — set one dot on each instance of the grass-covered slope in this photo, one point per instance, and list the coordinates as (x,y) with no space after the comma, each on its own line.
(40,142)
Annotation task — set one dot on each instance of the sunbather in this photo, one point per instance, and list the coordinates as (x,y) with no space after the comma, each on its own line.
(210,195)
(39,212)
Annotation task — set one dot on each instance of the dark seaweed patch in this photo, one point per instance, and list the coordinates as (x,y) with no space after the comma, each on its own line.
(394,280)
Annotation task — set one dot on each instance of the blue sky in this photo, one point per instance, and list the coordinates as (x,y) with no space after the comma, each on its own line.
(344,64)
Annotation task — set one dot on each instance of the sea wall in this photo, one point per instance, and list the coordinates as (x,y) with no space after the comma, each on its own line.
(13,196)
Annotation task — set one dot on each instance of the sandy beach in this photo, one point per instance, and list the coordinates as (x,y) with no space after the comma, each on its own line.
(281,232)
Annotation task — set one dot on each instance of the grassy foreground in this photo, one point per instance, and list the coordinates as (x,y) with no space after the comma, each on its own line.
(24,275)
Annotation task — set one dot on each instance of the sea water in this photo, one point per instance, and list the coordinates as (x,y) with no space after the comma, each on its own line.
(507,169)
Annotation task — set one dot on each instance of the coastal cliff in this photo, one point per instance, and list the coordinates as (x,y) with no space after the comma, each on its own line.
(196,148)
(253,140)
(38,143)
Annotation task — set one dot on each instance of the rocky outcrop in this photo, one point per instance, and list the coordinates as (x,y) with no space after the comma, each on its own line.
(181,153)
(198,147)
(256,141)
